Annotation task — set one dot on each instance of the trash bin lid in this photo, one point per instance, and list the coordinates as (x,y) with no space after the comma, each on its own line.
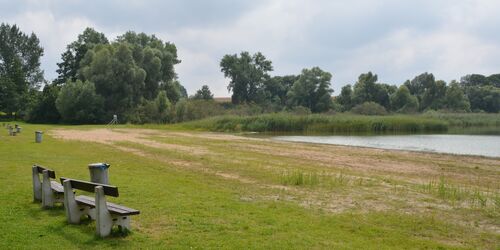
(99,165)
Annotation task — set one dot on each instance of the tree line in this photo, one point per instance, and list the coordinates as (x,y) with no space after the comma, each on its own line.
(133,76)
(250,82)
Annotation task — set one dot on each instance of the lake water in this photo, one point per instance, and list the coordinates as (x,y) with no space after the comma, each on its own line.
(483,145)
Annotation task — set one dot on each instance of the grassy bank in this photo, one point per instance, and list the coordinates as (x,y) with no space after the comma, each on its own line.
(319,123)
(466,120)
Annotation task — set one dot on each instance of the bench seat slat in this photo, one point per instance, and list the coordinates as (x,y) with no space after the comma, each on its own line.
(57,187)
(112,207)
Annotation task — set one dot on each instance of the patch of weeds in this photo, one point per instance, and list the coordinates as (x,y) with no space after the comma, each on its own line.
(339,180)
(455,193)
(299,178)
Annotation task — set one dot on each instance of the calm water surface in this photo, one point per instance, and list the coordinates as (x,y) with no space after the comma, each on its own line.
(483,145)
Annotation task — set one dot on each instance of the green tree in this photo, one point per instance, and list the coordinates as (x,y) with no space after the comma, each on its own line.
(367,89)
(248,73)
(277,87)
(19,67)
(345,98)
(312,90)
(116,77)
(433,96)
(203,94)
(45,110)
(485,98)
(157,59)
(78,103)
(419,84)
(494,80)
(474,80)
(403,101)
(75,52)
(455,99)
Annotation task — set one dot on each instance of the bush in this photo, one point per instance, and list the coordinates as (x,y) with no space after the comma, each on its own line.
(196,109)
(77,102)
(369,108)
(158,110)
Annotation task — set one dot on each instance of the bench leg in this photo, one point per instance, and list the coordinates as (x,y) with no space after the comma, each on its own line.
(47,194)
(73,213)
(104,221)
(37,185)
(122,221)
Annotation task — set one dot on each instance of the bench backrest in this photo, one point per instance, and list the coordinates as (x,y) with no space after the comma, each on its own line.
(52,173)
(90,186)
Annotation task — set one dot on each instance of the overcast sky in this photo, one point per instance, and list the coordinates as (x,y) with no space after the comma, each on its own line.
(396,39)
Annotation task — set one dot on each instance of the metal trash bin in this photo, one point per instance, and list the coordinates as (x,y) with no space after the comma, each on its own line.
(38,136)
(18,129)
(99,172)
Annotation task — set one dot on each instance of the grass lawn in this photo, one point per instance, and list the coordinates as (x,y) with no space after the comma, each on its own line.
(208,190)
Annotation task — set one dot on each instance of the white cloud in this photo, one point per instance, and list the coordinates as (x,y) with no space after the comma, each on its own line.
(54,34)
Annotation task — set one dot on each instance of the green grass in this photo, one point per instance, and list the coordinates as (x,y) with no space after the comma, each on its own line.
(190,207)
(465,120)
(319,123)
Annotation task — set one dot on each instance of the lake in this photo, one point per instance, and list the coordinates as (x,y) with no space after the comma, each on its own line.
(482,145)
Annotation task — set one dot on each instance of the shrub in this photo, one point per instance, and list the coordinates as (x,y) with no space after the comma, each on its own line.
(77,102)
(369,108)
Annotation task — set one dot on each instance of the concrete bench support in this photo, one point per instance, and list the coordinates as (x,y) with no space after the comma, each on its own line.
(37,185)
(104,219)
(49,195)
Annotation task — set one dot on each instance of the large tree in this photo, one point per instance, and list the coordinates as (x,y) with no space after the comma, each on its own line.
(44,109)
(116,76)
(485,98)
(345,98)
(367,89)
(403,101)
(157,59)
(312,90)
(19,67)
(430,93)
(455,99)
(75,52)
(204,94)
(277,87)
(248,73)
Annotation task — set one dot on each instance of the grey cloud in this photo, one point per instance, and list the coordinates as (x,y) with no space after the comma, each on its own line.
(395,39)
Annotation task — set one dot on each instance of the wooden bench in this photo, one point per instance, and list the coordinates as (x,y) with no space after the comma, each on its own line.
(105,214)
(46,191)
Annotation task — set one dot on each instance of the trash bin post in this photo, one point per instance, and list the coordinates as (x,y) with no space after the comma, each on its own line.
(99,173)
(38,136)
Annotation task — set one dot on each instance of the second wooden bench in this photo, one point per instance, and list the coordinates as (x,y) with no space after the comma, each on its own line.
(105,214)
